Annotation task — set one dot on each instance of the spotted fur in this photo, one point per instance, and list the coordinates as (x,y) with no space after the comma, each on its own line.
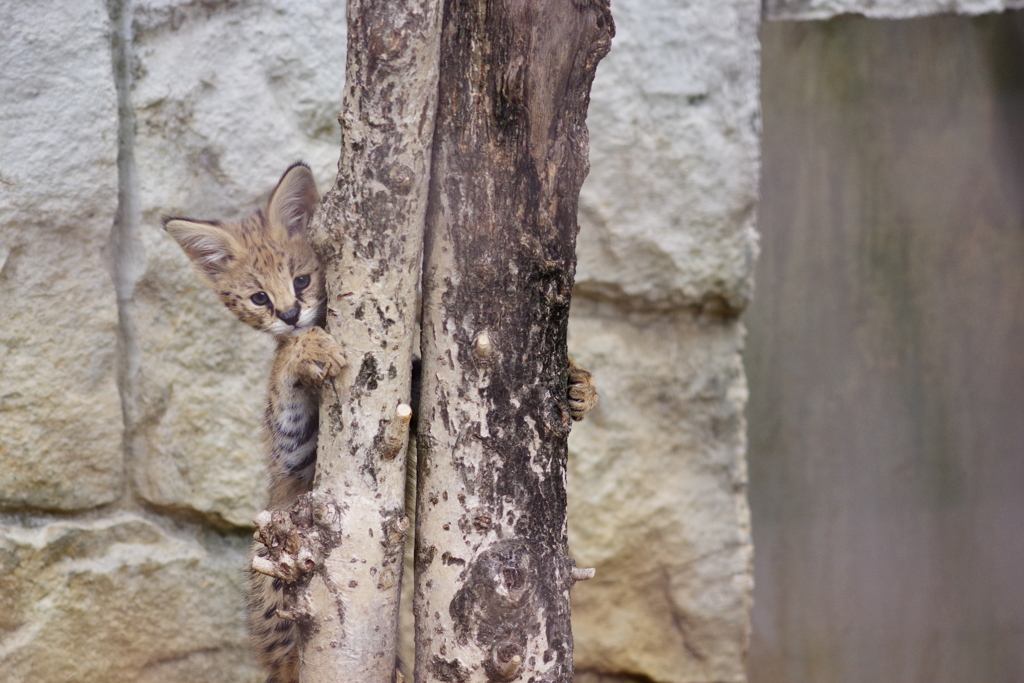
(265,271)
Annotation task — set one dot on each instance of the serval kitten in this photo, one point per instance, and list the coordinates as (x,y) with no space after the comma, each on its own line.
(266,272)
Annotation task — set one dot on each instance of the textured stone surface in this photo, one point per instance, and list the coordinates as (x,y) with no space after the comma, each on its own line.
(657,497)
(668,211)
(228,95)
(666,251)
(120,599)
(226,98)
(882,9)
(60,415)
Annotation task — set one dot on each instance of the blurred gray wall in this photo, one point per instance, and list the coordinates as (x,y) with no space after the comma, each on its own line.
(886,353)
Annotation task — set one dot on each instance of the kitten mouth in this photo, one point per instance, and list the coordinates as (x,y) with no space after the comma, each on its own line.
(285,330)
(279,328)
(308,319)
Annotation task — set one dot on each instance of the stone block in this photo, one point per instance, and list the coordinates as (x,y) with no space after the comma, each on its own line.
(657,498)
(60,412)
(120,599)
(667,214)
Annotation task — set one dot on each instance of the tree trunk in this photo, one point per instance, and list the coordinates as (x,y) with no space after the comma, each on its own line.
(509,156)
(369,233)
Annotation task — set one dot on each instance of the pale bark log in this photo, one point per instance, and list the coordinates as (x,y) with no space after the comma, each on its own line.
(369,234)
(510,154)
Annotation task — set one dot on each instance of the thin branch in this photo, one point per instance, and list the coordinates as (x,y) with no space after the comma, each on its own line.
(348,533)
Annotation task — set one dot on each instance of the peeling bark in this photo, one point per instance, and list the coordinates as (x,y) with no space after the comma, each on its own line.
(369,233)
(509,156)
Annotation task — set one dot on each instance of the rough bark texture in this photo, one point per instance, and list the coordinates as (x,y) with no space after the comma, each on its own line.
(510,154)
(369,234)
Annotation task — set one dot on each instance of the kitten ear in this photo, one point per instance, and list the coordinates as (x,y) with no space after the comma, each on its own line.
(208,246)
(294,199)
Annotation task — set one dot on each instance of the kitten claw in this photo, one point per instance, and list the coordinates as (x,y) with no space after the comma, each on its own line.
(318,355)
(582,392)
(317,370)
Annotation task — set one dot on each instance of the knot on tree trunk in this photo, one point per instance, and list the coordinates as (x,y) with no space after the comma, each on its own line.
(296,540)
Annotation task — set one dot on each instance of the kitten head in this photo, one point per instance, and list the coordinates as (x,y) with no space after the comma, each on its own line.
(263,267)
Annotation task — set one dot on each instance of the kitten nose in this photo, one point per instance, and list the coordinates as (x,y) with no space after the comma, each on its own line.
(291,316)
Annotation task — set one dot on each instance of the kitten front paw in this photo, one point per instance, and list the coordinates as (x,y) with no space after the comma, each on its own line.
(582,391)
(317,355)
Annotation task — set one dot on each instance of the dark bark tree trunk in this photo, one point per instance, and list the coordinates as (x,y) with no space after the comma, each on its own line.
(509,156)
(510,153)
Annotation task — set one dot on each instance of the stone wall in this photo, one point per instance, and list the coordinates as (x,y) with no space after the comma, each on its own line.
(130,399)
(657,473)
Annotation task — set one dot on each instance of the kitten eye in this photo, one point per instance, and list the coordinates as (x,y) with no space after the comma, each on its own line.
(301,282)
(260,298)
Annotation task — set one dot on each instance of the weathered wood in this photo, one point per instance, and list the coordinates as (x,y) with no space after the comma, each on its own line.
(510,154)
(884,356)
(369,233)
